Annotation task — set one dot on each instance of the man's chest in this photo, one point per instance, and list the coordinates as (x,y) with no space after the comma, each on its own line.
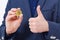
(28,8)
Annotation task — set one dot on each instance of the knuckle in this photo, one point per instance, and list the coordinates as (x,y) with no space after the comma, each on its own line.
(33,31)
(29,20)
(30,27)
(30,24)
(9,11)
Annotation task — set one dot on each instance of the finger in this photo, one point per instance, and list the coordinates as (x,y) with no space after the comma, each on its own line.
(14,9)
(11,13)
(33,30)
(11,17)
(18,8)
(32,23)
(32,26)
(39,11)
(32,20)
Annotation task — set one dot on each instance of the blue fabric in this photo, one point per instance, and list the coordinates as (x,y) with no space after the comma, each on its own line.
(33,4)
(50,10)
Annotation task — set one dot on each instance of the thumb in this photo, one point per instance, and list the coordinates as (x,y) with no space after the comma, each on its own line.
(39,11)
(20,18)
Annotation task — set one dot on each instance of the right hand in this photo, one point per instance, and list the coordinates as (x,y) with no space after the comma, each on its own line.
(13,22)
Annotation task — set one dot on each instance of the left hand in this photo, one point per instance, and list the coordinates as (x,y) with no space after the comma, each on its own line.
(39,23)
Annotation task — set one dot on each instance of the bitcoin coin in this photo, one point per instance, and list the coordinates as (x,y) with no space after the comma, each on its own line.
(18,13)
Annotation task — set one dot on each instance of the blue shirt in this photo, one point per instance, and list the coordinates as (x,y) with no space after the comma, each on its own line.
(33,4)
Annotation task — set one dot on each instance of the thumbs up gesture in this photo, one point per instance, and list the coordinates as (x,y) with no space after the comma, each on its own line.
(39,23)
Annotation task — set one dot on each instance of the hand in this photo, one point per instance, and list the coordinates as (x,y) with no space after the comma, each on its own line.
(12,21)
(38,24)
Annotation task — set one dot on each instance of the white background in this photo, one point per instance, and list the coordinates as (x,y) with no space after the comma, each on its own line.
(3,4)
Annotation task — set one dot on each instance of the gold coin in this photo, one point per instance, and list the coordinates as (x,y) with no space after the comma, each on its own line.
(18,13)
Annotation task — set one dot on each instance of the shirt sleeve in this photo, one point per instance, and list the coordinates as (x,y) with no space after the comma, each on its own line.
(54,26)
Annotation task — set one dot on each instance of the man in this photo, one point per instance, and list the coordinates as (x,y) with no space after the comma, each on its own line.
(39,20)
